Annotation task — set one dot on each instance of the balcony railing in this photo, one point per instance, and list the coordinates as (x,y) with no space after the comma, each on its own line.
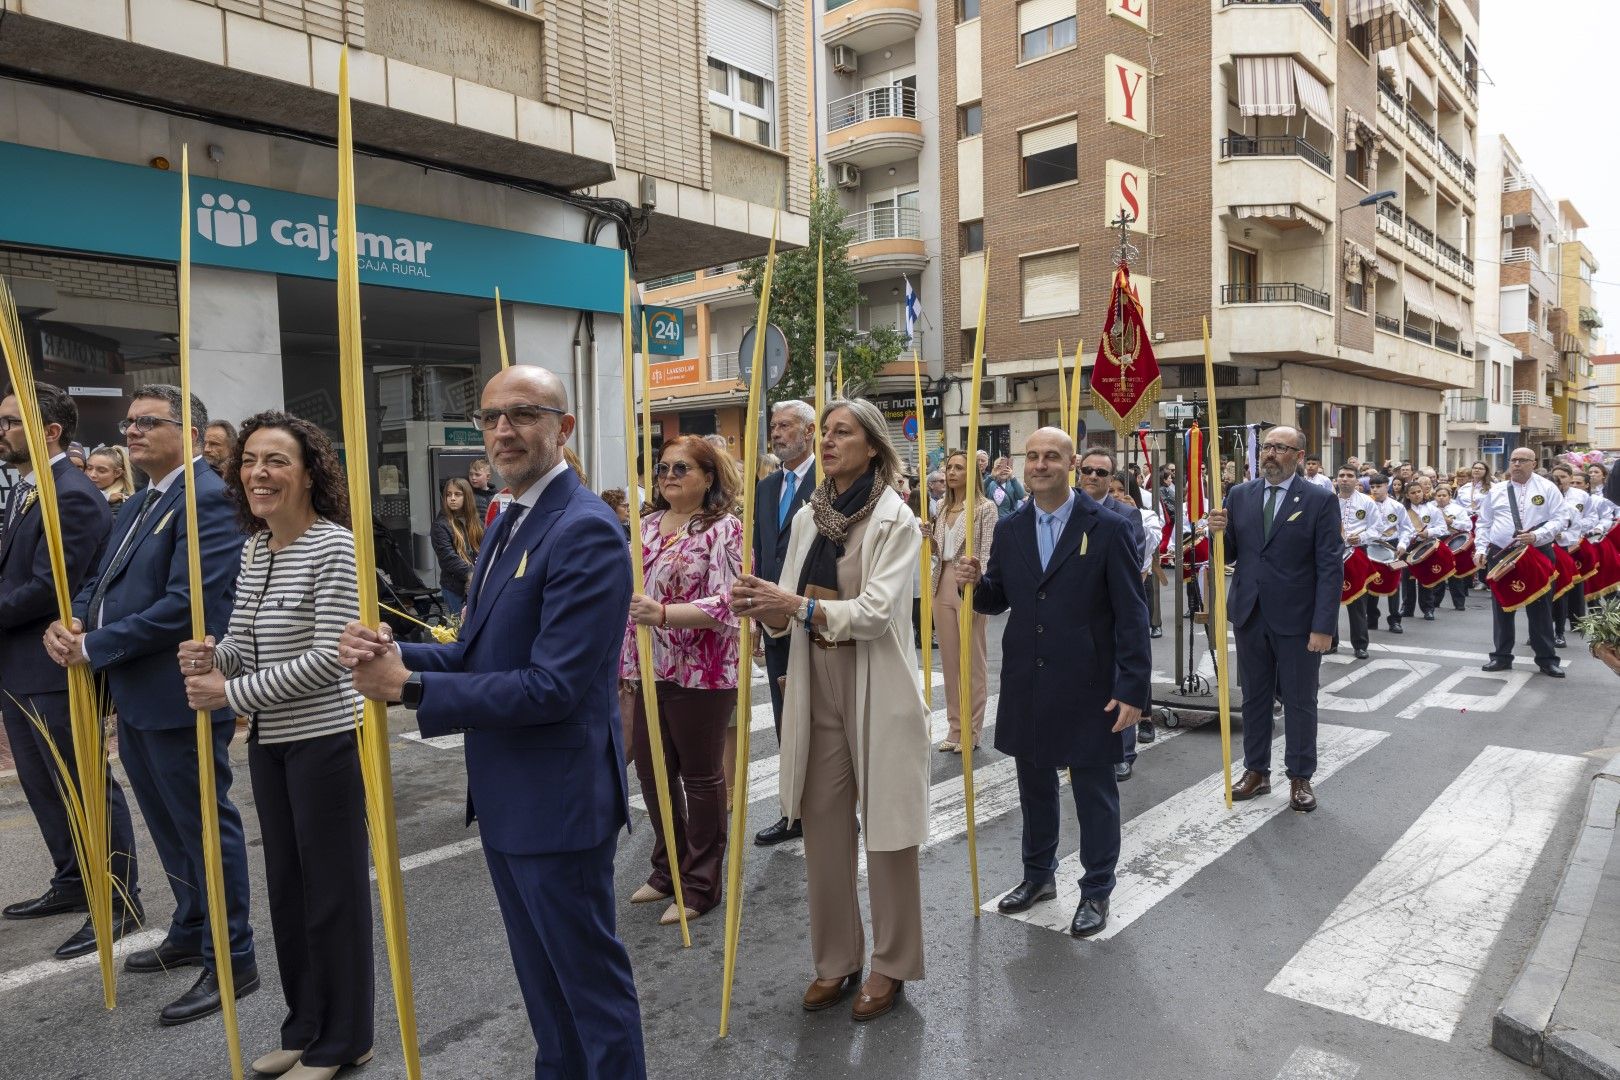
(874,104)
(1417,333)
(1467,410)
(885,223)
(1522,254)
(1392,105)
(1285,292)
(1311,6)
(1388,323)
(1448,344)
(666,282)
(723,367)
(1391,213)
(1419,125)
(1275,146)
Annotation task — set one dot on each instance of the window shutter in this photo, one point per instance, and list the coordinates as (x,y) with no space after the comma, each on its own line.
(1047,138)
(1034,14)
(1051,284)
(742,33)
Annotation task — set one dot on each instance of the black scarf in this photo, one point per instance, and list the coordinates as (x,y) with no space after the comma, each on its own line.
(835,516)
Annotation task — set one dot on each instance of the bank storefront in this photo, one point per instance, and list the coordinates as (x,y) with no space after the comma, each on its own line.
(89,247)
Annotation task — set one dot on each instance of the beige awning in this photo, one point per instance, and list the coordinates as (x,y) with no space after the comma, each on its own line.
(1420,298)
(1449,308)
(1389,271)
(1386,21)
(1313,96)
(1266,85)
(1357,260)
(1281,212)
(1358,129)
(1394,61)
(1465,332)
(1423,183)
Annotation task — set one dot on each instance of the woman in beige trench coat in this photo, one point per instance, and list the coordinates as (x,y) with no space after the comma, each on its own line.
(854,719)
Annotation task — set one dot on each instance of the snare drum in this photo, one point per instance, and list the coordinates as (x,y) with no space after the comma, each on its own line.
(1458,541)
(1379,552)
(1431,563)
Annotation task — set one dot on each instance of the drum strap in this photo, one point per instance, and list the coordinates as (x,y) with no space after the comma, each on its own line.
(1513,509)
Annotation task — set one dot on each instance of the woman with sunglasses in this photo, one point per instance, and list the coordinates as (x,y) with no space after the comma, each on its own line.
(946,535)
(691,553)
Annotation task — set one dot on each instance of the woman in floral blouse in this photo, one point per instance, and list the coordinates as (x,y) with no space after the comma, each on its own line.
(692,552)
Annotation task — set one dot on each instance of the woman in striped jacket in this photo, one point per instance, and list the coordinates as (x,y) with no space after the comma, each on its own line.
(277,665)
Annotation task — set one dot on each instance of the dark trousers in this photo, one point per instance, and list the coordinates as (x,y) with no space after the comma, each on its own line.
(693,725)
(1458,587)
(1369,609)
(40,780)
(1537,618)
(776,665)
(1096,803)
(312,817)
(1568,608)
(573,970)
(1272,666)
(1356,610)
(1154,616)
(162,768)
(1148,589)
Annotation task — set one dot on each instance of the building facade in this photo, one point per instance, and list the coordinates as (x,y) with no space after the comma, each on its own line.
(519,147)
(1302,175)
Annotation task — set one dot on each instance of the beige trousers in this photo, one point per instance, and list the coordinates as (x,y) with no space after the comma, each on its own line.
(948,628)
(831,845)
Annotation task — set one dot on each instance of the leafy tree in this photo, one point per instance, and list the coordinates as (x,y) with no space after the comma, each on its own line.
(793,307)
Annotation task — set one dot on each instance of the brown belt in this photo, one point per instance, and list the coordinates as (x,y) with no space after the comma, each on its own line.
(823,643)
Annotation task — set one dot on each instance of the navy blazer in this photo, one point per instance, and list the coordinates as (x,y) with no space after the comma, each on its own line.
(147,613)
(1293,580)
(770,539)
(534,678)
(1131,514)
(1077,636)
(27,588)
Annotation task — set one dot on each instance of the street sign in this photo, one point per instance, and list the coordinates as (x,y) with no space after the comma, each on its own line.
(667,330)
(673,373)
(1493,445)
(909,426)
(776,355)
(463,436)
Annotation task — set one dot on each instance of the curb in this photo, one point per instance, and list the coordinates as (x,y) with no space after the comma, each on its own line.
(1521,1027)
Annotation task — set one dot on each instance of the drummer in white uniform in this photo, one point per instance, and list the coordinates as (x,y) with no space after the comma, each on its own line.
(1525,509)
(1355,516)
(1572,605)
(1469,496)
(1389,525)
(1425,522)
(1459,527)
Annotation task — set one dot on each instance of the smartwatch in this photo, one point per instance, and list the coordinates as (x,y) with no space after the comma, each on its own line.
(411,695)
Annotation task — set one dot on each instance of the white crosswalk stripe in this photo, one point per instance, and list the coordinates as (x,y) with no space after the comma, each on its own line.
(1162,848)
(1407,945)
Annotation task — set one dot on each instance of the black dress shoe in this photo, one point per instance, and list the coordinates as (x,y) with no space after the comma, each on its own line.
(203,998)
(1145,731)
(1428,616)
(778,833)
(165,957)
(1551,670)
(1025,895)
(1122,771)
(1558,642)
(1460,607)
(1361,654)
(1497,665)
(54,901)
(1395,628)
(1089,918)
(83,942)
(1155,632)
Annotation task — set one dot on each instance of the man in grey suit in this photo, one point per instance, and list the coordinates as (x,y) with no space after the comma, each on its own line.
(1283,537)
(778,498)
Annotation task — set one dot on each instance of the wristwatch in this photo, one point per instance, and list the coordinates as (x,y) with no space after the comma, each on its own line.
(411,695)
(804,611)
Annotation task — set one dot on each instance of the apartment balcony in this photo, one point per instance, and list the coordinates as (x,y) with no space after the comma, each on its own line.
(1467,410)
(1285,320)
(1420,240)
(1452,260)
(1535,413)
(866,25)
(1522,266)
(1274,170)
(1526,203)
(1275,146)
(717,286)
(1391,222)
(1389,324)
(1535,346)
(874,127)
(887,242)
(1391,107)
(1272,27)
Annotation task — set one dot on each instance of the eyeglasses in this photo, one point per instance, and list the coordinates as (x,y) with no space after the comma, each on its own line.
(1279,448)
(677,469)
(1087,470)
(520,416)
(9,422)
(144,424)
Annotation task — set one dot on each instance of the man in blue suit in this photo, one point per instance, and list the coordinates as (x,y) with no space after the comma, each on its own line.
(1075,660)
(1283,537)
(129,621)
(778,498)
(31,687)
(533,681)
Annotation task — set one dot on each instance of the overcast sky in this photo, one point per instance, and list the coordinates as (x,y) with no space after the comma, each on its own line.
(1549,86)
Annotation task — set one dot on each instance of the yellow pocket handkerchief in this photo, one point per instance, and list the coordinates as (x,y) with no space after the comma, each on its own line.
(1085,542)
(523,564)
(164,524)
(1295,514)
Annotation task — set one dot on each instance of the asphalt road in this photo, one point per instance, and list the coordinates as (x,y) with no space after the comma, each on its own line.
(1372,938)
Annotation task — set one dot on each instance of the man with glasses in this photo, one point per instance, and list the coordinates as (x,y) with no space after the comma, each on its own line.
(1524,510)
(533,682)
(1283,537)
(35,688)
(129,621)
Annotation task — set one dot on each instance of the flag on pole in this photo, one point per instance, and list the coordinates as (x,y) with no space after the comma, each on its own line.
(911,311)
(1125,379)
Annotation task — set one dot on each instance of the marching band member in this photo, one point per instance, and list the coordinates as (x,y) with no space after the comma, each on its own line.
(1521,512)
(1427,523)
(1355,517)
(1570,604)
(1390,526)
(1458,523)
(1469,495)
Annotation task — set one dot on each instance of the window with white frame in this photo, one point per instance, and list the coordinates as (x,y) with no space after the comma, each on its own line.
(741,104)
(1051,283)
(1044,26)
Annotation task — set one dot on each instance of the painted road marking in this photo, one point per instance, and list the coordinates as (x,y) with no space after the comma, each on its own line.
(1162,848)
(1407,945)
(1309,1063)
(760,718)
(1329,697)
(1442,696)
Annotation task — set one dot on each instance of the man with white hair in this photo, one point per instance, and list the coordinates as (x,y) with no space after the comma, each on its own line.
(778,497)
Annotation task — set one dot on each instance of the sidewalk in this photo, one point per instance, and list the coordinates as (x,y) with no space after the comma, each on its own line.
(1562,1013)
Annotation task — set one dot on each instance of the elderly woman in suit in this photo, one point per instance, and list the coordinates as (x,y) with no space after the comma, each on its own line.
(854,720)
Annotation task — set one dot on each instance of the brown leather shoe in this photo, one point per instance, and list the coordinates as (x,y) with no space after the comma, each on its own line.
(1300,795)
(870,1006)
(825,993)
(1251,784)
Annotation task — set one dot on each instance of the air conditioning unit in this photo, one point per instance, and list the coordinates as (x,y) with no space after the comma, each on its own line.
(1507,222)
(846,175)
(844,60)
(993,391)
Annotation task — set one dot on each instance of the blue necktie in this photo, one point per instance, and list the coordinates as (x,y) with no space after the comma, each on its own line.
(1046,536)
(790,484)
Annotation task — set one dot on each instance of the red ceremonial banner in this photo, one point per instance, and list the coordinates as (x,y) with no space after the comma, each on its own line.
(1125,378)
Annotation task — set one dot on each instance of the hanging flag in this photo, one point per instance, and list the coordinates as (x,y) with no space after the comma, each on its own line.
(1125,380)
(911,311)
(1195,477)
